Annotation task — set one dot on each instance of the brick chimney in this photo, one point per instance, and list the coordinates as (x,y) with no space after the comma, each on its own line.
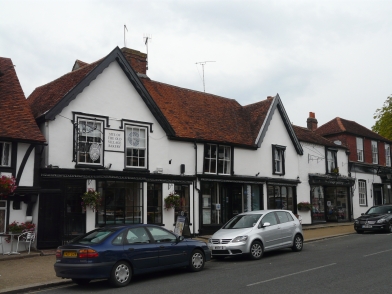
(137,59)
(312,121)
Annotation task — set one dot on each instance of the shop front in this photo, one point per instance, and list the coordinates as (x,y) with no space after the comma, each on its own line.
(330,198)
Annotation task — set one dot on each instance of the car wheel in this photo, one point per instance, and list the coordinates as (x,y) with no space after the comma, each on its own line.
(359,231)
(196,261)
(389,229)
(298,243)
(81,282)
(256,250)
(121,274)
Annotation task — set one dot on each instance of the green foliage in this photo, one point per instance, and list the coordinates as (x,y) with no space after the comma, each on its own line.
(383,117)
(172,201)
(91,199)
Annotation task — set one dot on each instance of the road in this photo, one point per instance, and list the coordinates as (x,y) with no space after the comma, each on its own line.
(349,264)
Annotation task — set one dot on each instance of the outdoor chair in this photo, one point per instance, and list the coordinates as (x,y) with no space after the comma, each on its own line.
(27,238)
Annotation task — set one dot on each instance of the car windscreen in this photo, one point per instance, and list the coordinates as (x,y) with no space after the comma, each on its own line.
(93,237)
(380,210)
(242,221)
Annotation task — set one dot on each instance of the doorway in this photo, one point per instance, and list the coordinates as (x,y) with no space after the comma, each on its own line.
(232,201)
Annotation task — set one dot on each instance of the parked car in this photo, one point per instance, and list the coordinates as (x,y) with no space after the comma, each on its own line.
(376,219)
(255,232)
(118,252)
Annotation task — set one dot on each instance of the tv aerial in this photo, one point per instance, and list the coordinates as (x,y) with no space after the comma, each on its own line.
(202,63)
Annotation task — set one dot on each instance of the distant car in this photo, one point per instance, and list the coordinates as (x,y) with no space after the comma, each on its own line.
(376,219)
(118,252)
(252,233)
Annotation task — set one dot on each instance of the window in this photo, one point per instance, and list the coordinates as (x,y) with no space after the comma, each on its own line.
(362,192)
(278,162)
(161,235)
(280,197)
(137,236)
(5,154)
(359,149)
(154,203)
(270,218)
(387,154)
(217,159)
(332,161)
(183,191)
(136,154)
(89,142)
(374,152)
(3,212)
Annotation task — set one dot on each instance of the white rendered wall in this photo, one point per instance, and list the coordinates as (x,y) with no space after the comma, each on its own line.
(27,178)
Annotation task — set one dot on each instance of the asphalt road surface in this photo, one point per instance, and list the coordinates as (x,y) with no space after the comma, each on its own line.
(349,264)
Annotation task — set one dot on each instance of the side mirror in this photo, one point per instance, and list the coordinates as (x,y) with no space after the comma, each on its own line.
(263,225)
(362,213)
(180,238)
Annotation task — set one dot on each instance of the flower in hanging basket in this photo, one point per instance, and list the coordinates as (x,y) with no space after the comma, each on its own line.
(304,206)
(7,186)
(91,198)
(172,200)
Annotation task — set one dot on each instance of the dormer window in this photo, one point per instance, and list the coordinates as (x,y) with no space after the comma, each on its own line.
(5,154)
(89,139)
(278,160)
(217,159)
(332,161)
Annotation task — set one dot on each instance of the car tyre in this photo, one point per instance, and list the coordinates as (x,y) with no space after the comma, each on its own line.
(298,243)
(256,250)
(121,274)
(196,261)
(81,282)
(359,231)
(389,229)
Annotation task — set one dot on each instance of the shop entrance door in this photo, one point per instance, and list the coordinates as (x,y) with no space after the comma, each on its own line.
(377,192)
(232,201)
(336,199)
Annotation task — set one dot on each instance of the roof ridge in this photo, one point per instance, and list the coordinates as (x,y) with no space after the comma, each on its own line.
(340,124)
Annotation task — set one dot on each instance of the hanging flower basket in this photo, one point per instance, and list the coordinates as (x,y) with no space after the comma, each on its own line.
(304,206)
(172,201)
(7,186)
(91,199)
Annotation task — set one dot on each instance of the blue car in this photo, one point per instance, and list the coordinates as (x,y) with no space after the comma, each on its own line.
(118,252)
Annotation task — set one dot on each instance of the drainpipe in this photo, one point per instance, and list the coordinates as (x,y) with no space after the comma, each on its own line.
(195,187)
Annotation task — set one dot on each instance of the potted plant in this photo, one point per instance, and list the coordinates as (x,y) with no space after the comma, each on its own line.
(172,200)
(91,198)
(7,186)
(304,206)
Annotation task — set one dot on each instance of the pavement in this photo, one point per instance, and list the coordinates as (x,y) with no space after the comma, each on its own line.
(28,272)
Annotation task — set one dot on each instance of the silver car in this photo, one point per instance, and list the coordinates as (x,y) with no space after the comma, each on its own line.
(254,232)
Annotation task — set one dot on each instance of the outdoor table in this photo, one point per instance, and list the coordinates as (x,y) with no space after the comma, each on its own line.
(11,235)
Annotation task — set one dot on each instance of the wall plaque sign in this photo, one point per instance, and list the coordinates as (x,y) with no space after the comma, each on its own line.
(114,140)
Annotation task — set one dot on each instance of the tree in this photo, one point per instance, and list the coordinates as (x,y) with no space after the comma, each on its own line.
(383,117)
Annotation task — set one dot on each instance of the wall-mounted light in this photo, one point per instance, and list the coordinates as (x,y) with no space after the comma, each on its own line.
(257,174)
(109,166)
(170,161)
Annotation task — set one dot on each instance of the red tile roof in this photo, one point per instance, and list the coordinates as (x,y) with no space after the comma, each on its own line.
(339,125)
(16,119)
(306,135)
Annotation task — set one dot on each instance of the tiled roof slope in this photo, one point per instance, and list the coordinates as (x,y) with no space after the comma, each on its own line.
(201,116)
(45,97)
(306,135)
(340,125)
(16,119)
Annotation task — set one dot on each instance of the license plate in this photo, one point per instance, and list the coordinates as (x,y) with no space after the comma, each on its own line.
(70,254)
(366,226)
(219,247)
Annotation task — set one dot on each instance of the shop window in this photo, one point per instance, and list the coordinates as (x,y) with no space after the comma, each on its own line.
(5,154)
(362,192)
(360,149)
(332,161)
(278,160)
(3,214)
(280,197)
(136,153)
(217,159)
(154,203)
(183,192)
(122,203)
(88,142)
(374,152)
(387,154)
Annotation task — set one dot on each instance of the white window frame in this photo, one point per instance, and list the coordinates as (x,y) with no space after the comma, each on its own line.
(224,160)
(217,159)
(278,159)
(93,135)
(374,152)
(387,154)
(362,192)
(360,149)
(331,160)
(136,153)
(5,159)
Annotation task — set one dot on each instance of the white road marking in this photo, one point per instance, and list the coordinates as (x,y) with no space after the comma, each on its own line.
(377,253)
(277,278)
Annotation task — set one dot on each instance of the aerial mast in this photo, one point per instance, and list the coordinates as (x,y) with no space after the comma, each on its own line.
(202,63)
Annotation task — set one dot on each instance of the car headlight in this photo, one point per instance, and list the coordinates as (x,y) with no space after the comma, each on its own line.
(381,220)
(240,239)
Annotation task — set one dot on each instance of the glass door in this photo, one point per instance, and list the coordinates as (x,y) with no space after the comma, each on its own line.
(318,207)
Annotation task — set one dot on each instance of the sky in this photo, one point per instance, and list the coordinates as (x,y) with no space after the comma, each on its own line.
(333,58)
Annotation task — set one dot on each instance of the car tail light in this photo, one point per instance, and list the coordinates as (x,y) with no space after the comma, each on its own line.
(58,253)
(88,253)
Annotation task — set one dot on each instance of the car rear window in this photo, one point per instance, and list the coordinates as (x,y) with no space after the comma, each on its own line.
(242,221)
(93,237)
